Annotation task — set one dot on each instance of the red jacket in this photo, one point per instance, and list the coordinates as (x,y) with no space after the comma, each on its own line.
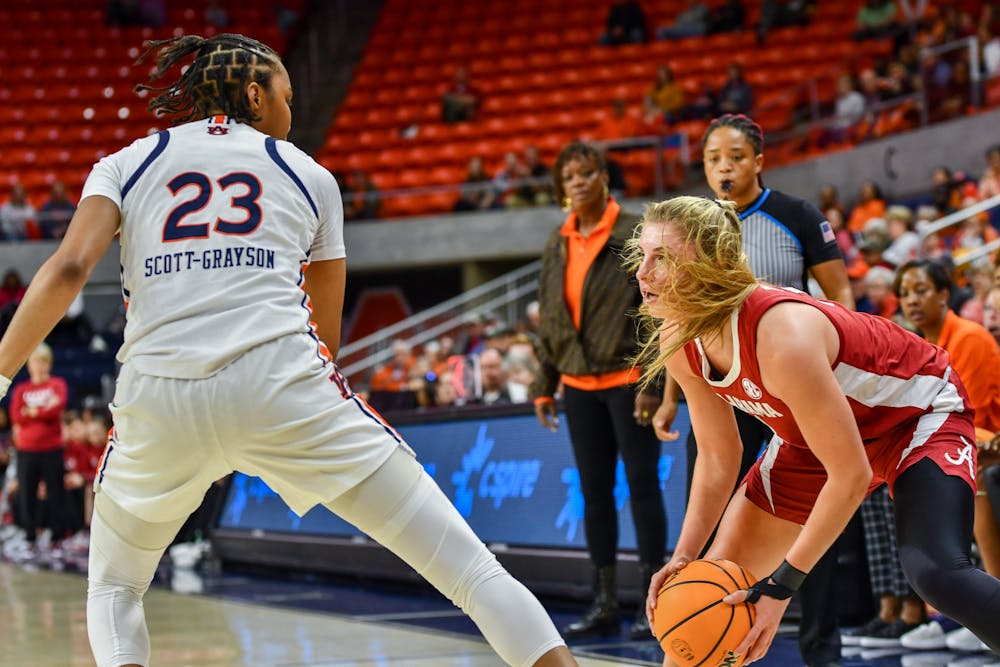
(41,432)
(82,458)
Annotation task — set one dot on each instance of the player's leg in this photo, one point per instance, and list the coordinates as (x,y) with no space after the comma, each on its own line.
(752,537)
(124,553)
(934,513)
(401,507)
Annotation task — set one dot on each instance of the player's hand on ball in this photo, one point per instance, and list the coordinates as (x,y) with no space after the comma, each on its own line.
(656,582)
(769,612)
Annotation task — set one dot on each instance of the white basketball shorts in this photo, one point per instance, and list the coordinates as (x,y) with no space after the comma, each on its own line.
(278,412)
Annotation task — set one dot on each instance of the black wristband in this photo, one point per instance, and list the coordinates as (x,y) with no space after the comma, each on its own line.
(780,585)
(788,576)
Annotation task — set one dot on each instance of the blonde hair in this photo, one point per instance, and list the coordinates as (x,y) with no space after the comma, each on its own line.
(707,286)
(43,351)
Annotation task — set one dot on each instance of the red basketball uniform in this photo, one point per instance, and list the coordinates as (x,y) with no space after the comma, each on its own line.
(907,401)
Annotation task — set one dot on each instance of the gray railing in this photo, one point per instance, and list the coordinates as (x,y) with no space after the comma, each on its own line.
(504,297)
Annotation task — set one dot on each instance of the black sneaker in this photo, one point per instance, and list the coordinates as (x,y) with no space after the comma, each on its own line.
(853,637)
(889,635)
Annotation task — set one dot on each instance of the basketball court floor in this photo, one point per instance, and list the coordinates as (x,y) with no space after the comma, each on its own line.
(237,619)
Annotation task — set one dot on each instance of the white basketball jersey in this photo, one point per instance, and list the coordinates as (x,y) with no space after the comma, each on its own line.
(218,224)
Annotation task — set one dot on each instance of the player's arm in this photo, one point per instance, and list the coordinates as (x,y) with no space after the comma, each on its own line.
(832,278)
(325,281)
(59,280)
(796,345)
(717,464)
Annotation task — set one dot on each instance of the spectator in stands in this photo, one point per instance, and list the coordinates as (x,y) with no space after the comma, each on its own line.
(506,182)
(946,191)
(692,21)
(36,408)
(923,289)
(666,96)
(626,24)
(56,212)
(12,289)
(619,124)
(81,460)
(460,100)
(704,105)
(870,87)
(445,394)
(586,337)
(472,340)
(849,109)
(493,378)
(17,215)
(876,19)
(735,96)
(899,81)
(980,279)
(845,240)
(991,313)
(522,367)
(540,193)
(361,199)
(879,294)
(829,198)
(727,17)
(395,374)
(989,54)
(532,318)
(989,183)
(780,13)
(871,204)
(477,192)
(904,241)
(954,97)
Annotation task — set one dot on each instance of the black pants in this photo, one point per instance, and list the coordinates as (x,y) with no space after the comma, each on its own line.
(35,467)
(601,427)
(934,516)
(819,631)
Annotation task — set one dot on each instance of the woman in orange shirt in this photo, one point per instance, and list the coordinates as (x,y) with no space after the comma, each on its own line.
(871,205)
(923,288)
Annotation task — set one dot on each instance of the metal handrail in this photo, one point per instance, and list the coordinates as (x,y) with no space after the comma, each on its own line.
(451,304)
(959,216)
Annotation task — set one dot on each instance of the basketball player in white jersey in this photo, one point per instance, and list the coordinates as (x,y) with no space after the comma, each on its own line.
(224,365)
(853,400)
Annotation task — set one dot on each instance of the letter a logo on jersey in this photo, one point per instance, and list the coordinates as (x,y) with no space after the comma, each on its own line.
(964,456)
(752,390)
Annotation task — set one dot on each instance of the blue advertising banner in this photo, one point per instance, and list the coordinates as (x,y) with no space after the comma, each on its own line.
(515,482)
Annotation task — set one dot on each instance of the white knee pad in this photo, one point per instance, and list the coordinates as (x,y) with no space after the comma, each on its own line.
(402,508)
(118,575)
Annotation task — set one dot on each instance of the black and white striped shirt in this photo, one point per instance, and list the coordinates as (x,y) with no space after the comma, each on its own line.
(783,236)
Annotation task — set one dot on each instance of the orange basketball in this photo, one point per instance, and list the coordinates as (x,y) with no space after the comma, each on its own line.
(694,627)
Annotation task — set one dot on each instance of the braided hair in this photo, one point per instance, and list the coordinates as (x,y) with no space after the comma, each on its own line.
(744,124)
(216,79)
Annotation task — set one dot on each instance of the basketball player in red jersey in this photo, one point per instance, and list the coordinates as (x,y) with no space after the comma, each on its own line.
(853,400)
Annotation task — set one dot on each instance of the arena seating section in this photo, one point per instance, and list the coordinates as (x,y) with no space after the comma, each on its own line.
(67,97)
(544,80)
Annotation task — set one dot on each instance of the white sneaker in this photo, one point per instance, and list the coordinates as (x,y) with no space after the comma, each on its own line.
(928,636)
(927,659)
(963,640)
